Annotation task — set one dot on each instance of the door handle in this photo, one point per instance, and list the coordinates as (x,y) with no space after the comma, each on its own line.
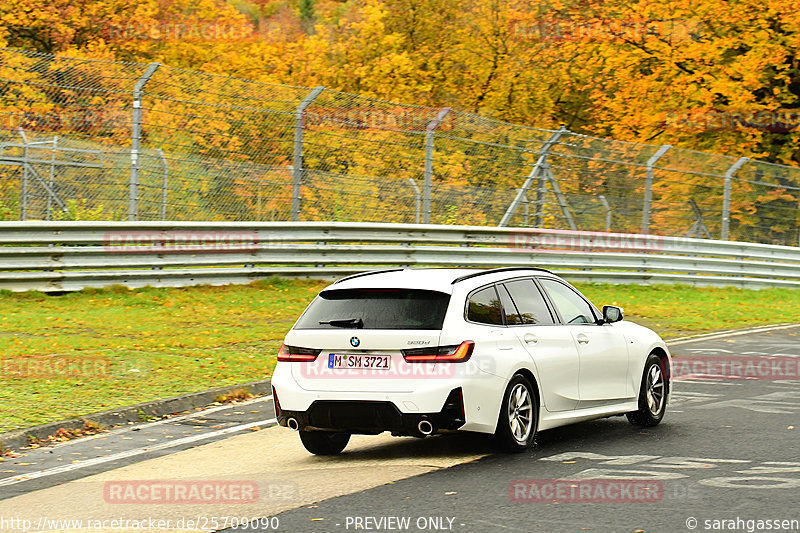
(530,338)
(583,339)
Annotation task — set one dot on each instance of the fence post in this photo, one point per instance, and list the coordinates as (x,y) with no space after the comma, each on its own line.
(429,135)
(726,201)
(136,133)
(52,178)
(527,209)
(23,215)
(24,208)
(298,167)
(547,174)
(541,163)
(416,199)
(608,211)
(648,187)
(165,169)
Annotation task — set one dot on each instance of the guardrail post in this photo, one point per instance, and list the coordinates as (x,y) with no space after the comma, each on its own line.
(648,187)
(427,186)
(540,165)
(726,201)
(298,167)
(136,134)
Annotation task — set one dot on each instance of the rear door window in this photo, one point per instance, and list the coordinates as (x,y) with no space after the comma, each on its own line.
(530,302)
(513,317)
(376,309)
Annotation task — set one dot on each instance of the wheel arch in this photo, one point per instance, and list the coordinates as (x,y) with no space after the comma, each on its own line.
(505,435)
(527,374)
(666,366)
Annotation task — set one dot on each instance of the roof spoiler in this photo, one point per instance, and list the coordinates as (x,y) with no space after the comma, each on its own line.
(371,272)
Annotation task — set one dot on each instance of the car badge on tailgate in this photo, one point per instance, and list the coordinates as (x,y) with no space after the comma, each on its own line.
(354,342)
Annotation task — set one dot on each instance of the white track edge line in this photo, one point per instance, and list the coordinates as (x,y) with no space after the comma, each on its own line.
(732,333)
(130,453)
(144,425)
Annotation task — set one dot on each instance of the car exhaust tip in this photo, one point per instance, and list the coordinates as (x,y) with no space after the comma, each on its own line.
(292,424)
(425,427)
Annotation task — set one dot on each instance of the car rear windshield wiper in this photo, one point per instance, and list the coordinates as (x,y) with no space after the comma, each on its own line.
(344,323)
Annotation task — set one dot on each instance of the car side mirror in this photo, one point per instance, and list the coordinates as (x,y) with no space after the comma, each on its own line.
(612,313)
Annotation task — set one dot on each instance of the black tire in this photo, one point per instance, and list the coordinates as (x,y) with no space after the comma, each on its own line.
(652,394)
(324,442)
(519,416)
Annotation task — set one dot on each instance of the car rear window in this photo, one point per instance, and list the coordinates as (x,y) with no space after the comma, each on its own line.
(376,309)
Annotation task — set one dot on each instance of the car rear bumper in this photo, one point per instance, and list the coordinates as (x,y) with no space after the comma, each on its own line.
(373,417)
(401,410)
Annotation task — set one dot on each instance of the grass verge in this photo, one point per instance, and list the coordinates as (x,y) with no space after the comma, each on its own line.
(88,351)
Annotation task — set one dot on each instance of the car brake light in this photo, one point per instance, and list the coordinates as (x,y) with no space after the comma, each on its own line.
(440,354)
(297,354)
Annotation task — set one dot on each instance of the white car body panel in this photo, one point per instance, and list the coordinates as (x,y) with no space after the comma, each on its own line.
(604,364)
(557,363)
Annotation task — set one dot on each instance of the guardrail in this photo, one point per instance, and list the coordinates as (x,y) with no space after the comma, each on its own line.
(66,256)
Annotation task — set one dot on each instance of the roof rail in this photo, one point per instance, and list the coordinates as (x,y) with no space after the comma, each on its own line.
(371,272)
(495,270)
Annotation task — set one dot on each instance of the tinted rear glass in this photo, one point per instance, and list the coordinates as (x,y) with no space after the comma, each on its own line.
(484,307)
(530,302)
(377,309)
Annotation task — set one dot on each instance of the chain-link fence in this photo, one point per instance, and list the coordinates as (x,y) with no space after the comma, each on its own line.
(97,140)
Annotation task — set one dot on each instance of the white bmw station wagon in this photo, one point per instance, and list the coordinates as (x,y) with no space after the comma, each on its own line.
(508,351)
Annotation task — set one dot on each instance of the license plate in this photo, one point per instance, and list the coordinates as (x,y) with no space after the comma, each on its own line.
(358,361)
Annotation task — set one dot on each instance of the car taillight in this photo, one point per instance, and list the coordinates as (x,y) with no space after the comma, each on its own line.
(440,354)
(297,354)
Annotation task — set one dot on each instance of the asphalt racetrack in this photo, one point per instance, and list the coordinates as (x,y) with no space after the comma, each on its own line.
(725,458)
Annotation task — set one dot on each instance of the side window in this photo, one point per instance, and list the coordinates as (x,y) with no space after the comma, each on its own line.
(512,314)
(530,302)
(484,307)
(572,307)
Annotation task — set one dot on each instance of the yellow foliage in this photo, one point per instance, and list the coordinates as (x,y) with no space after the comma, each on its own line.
(709,75)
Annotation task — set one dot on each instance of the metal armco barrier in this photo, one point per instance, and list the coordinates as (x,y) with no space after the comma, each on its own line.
(66,256)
